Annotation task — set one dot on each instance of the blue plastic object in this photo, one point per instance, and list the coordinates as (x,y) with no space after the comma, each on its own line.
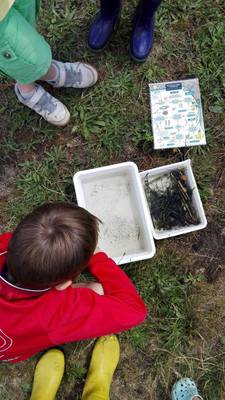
(185,389)
(104,25)
(142,36)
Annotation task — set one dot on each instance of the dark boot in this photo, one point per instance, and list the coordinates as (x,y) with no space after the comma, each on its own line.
(143,30)
(104,24)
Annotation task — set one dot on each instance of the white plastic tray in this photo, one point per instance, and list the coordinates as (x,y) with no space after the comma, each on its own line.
(116,196)
(186,165)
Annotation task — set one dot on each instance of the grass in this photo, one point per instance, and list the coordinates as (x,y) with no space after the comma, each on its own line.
(111,123)
(171,322)
(75,372)
(166,338)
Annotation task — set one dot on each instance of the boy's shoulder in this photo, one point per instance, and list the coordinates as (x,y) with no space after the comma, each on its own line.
(4,241)
(5,6)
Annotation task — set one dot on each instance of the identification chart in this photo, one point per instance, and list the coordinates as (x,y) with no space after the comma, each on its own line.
(176,112)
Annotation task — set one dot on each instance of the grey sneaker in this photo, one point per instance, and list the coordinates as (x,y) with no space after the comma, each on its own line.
(51,109)
(77,75)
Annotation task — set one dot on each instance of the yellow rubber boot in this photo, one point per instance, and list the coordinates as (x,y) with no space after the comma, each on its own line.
(103,363)
(48,375)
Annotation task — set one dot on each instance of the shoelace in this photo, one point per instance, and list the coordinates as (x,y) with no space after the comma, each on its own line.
(46,103)
(72,76)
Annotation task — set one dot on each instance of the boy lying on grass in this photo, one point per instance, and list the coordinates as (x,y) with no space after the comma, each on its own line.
(40,307)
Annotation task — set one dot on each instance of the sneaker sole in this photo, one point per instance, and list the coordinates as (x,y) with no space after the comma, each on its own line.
(138,60)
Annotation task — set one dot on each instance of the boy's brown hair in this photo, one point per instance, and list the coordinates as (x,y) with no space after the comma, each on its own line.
(51,245)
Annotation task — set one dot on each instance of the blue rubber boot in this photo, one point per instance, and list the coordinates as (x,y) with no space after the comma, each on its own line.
(142,37)
(104,24)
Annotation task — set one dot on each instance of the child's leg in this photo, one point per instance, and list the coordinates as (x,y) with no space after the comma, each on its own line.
(142,37)
(104,360)
(104,24)
(26,57)
(24,54)
(78,75)
(29,9)
(48,375)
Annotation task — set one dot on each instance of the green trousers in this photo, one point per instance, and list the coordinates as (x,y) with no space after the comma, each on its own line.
(24,54)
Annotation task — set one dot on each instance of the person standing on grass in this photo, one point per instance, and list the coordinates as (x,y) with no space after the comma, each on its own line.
(26,57)
(142,36)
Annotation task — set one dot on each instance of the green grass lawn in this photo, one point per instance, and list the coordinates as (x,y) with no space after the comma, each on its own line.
(183,285)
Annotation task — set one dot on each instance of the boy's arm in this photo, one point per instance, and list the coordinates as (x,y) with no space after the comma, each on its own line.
(80,313)
(113,279)
(96,286)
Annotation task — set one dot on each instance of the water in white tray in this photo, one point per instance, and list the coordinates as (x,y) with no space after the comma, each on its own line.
(113,201)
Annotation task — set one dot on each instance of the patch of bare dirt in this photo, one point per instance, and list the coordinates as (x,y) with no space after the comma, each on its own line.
(209,251)
(210,310)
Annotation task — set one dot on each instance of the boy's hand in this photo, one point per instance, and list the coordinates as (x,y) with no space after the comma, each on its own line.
(95,286)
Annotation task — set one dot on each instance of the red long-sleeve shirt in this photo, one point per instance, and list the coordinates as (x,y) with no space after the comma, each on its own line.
(31,321)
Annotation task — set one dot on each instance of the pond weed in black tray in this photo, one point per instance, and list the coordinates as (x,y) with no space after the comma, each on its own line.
(169,198)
